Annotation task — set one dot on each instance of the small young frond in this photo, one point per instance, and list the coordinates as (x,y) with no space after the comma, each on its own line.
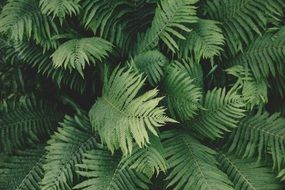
(151,63)
(26,122)
(204,41)
(182,95)
(260,134)
(23,170)
(76,53)
(120,117)
(247,174)
(221,112)
(171,17)
(65,149)
(60,8)
(191,164)
(106,171)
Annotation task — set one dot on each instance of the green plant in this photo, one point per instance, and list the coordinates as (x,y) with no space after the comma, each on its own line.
(142,94)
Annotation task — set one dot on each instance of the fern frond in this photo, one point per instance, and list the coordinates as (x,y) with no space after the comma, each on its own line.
(182,95)
(25,123)
(254,92)
(148,160)
(222,112)
(260,134)
(247,174)
(150,63)
(106,171)
(264,56)
(192,165)
(23,20)
(204,41)
(242,20)
(65,149)
(171,17)
(60,8)
(23,170)
(76,53)
(120,117)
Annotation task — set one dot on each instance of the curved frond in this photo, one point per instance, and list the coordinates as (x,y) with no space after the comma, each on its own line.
(26,122)
(247,174)
(221,112)
(65,149)
(264,56)
(105,171)
(23,170)
(148,160)
(150,63)
(120,117)
(23,20)
(254,92)
(242,20)
(192,165)
(182,95)
(260,134)
(76,53)
(171,17)
(204,41)
(60,8)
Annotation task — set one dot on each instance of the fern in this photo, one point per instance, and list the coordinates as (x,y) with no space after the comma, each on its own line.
(242,20)
(151,63)
(204,41)
(134,117)
(221,113)
(25,122)
(260,134)
(248,174)
(60,8)
(170,17)
(192,165)
(65,149)
(108,172)
(75,54)
(182,95)
(23,170)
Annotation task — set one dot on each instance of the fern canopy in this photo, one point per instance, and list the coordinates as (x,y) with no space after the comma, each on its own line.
(134,117)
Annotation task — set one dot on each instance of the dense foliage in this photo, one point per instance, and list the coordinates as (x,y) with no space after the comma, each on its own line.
(142,94)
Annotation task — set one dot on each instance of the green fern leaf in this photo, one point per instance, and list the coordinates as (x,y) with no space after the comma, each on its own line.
(247,174)
(148,160)
(105,171)
(26,122)
(260,134)
(150,63)
(221,112)
(23,170)
(170,18)
(65,149)
(191,164)
(243,20)
(182,95)
(120,117)
(204,41)
(76,53)
(60,8)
